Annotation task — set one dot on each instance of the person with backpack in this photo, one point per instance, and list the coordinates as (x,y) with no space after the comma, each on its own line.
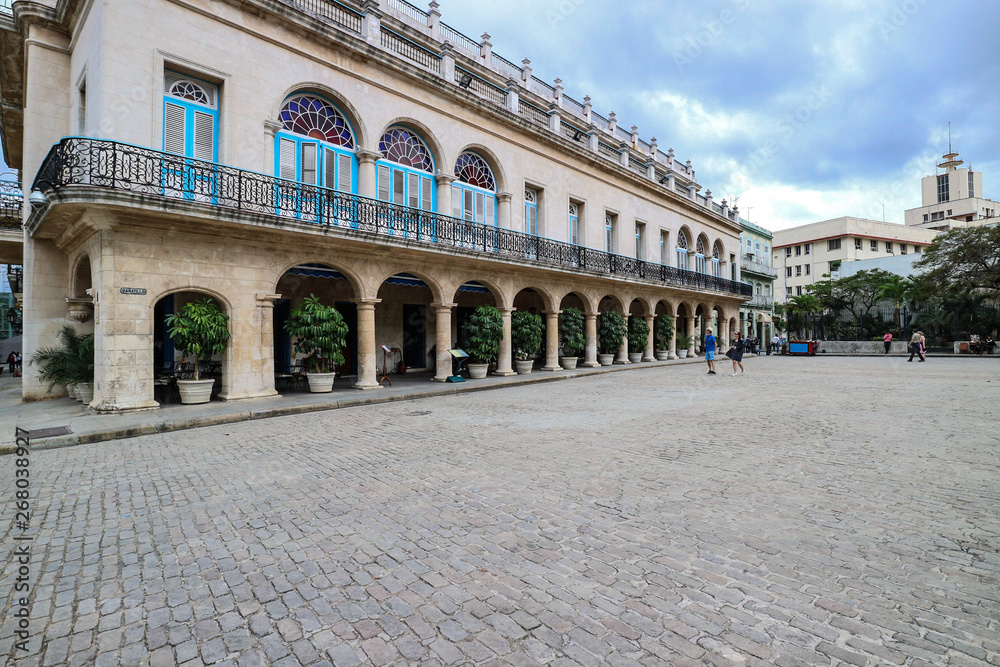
(916,345)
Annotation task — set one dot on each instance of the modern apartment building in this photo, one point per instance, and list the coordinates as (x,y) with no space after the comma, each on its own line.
(952,198)
(802,255)
(258,151)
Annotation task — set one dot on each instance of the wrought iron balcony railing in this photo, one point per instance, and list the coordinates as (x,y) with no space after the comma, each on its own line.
(759,301)
(11,200)
(97,163)
(15,278)
(749,265)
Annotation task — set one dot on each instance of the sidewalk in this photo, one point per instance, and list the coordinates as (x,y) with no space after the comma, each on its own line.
(85,426)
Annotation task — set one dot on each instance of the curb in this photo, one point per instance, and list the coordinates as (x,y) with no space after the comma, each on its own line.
(164,426)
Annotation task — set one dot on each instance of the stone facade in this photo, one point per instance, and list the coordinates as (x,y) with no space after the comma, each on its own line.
(101,74)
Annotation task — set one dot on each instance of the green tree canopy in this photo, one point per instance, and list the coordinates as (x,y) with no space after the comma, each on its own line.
(964,259)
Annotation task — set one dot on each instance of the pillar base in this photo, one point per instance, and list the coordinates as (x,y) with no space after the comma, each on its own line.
(620,362)
(551,368)
(244,397)
(106,408)
(365,387)
(503,374)
(672,356)
(649,358)
(590,364)
(444,379)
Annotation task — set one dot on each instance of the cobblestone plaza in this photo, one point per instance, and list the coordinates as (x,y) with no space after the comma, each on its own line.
(653,517)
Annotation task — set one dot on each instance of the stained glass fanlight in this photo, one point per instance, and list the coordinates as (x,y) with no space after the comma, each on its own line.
(316,118)
(699,248)
(716,254)
(682,240)
(404,147)
(188,90)
(472,169)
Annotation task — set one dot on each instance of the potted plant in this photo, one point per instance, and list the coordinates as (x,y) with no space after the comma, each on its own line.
(199,329)
(610,333)
(526,338)
(663,334)
(683,343)
(571,337)
(483,332)
(320,333)
(638,338)
(71,364)
(82,374)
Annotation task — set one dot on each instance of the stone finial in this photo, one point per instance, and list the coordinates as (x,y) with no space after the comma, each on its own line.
(434,6)
(586,100)
(612,116)
(708,193)
(526,70)
(670,152)
(635,128)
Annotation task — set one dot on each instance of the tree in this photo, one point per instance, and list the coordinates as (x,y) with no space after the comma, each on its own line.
(858,293)
(799,308)
(896,289)
(965,259)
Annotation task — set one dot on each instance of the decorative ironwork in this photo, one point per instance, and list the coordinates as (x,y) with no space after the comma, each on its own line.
(533,113)
(418,15)
(332,11)
(316,118)
(11,201)
(408,49)
(482,87)
(98,163)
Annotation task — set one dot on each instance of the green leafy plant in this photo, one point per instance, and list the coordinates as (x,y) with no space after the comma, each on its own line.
(484,331)
(70,363)
(683,342)
(664,331)
(571,336)
(526,334)
(320,333)
(638,334)
(610,332)
(199,329)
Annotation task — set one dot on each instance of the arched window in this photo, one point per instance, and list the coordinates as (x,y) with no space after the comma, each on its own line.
(473,195)
(717,260)
(315,144)
(530,211)
(190,117)
(404,172)
(699,255)
(574,223)
(682,250)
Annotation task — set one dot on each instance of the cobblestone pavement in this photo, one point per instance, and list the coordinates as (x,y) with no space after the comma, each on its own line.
(812,512)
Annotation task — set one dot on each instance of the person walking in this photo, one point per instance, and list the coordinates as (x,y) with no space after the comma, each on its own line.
(776,344)
(710,351)
(736,354)
(11,362)
(887,339)
(916,346)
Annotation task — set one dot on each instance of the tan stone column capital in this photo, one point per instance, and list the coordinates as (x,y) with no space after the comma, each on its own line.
(552,312)
(504,196)
(442,306)
(506,311)
(444,179)
(364,303)
(267,300)
(272,126)
(366,156)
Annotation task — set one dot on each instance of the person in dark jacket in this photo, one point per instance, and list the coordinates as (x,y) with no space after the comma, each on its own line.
(736,354)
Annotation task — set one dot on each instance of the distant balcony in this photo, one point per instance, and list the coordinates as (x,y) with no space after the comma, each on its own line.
(93,163)
(15,277)
(11,200)
(750,266)
(759,301)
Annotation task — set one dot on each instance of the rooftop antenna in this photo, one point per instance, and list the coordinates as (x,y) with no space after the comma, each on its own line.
(950,158)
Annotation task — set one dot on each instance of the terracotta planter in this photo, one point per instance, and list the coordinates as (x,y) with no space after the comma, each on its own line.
(478,371)
(635,357)
(605,359)
(85,392)
(523,366)
(195,391)
(569,363)
(681,354)
(662,355)
(320,383)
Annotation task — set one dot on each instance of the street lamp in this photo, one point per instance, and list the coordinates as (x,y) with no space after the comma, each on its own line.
(12,318)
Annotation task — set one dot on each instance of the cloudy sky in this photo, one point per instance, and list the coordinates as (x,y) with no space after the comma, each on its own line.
(805,110)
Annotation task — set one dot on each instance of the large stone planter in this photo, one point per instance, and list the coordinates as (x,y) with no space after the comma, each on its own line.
(662,355)
(635,357)
(682,354)
(523,366)
(605,359)
(569,363)
(320,383)
(85,392)
(71,391)
(478,371)
(194,391)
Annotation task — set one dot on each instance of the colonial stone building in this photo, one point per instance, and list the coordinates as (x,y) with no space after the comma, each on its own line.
(261,150)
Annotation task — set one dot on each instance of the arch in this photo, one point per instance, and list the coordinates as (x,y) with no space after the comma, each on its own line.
(547,297)
(701,245)
(349,111)
(208,291)
(491,159)
(718,250)
(357,285)
(685,239)
(315,117)
(438,291)
(617,302)
(82,277)
(500,296)
(589,304)
(423,132)
(668,307)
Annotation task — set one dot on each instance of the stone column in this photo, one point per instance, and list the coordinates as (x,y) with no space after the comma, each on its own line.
(367,182)
(690,333)
(650,354)
(442,312)
(504,210)
(622,357)
(504,355)
(551,341)
(367,357)
(262,359)
(444,182)
(590,333)
(673,342)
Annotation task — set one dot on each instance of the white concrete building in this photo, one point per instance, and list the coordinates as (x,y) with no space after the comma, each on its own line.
(952,198)
(802,255)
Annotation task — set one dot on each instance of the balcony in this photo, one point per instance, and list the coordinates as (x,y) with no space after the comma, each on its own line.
(11,200)
(759,301)
(93,163)
(750,266)
(15,278)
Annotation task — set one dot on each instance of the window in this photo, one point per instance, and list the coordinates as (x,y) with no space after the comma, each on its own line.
(316,145)
(405,171)
(682,250)
(609,232)
(81,112)
(807,247)
(888,246)
(663,247)
(732,267)
(902,248)
(749,247)
(756,251)
(574,223)
(767,290)
(788,272)
(757,289)
(798,290)
(717,260)
(972,185)
(834,265)
(766,257)
(916,249)
(857,244)
(874,245)
(833,244)
(190,117)
(788,291)
(640,230)
(699,255)
(949,211)
(808,269)
(788,251)
(530,212)
(798,270)
(798,250)
(925,217)
(942,188)
(473,195)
